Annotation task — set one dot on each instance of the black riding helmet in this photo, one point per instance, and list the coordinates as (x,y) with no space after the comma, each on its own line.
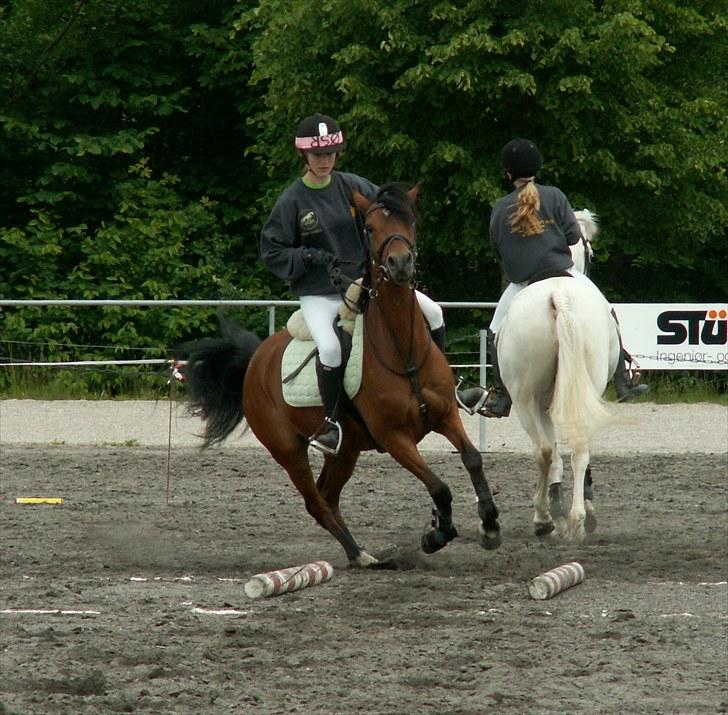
(319,134)
(521,158)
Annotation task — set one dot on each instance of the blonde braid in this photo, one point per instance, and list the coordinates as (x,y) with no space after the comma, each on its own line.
(524,218)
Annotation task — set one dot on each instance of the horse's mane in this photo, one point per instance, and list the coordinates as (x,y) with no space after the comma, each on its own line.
(394,198)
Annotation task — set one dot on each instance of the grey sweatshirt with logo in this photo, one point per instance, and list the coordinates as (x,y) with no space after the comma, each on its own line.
(315,218)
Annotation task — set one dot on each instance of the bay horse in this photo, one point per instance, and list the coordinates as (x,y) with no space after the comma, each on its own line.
(557,349)
(407,390)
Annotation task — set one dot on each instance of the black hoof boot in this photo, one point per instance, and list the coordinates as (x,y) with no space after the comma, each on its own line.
(436,539)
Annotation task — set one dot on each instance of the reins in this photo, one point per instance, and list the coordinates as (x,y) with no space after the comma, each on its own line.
(411,370)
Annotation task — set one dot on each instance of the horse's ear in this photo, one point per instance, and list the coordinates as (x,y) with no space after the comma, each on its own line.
(361,202)
(412,193)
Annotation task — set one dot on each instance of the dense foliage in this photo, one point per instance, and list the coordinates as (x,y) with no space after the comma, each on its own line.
(142,144)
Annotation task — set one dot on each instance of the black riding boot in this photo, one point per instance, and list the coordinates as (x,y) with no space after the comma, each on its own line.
(471,398)
(328,438)
(498,403)
(627,385)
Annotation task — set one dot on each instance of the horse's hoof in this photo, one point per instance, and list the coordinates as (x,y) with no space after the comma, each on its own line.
(489,540)
(436,539)
(543,529)
(364,560)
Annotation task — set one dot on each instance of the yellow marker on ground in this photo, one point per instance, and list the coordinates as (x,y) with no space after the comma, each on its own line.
(39,500)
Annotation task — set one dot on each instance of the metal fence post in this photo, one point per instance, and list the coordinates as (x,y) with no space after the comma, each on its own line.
(271,319)
(484,382)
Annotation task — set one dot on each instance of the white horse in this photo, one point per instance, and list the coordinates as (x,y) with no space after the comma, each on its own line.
(582,252)
(557,349)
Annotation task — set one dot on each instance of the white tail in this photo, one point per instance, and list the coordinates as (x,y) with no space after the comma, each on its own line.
(577,408)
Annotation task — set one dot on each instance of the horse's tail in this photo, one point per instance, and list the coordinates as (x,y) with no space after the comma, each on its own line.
(577,407)
(214,375)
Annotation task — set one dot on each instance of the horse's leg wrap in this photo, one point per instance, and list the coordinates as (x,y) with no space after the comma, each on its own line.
(443,530)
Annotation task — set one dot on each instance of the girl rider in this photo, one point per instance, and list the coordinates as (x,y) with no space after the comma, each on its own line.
(313,223)
(531,230)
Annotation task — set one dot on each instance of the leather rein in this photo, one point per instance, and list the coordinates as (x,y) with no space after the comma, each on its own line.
(411,369)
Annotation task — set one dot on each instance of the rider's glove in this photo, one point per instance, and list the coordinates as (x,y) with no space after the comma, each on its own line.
(317,257)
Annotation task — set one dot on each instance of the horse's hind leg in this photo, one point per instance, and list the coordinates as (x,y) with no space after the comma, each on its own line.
(543,496)
(292,455)
(548,493)
(335,473)
(577,515)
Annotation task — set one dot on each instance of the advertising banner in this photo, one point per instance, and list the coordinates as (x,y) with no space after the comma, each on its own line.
(675,336)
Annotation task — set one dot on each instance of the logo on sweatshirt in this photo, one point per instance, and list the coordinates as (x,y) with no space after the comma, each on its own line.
(308,220)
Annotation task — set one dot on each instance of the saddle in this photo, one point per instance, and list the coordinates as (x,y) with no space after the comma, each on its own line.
(300,386)
(298,368)
(550,273)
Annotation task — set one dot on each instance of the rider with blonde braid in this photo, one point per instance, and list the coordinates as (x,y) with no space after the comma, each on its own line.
(531,230)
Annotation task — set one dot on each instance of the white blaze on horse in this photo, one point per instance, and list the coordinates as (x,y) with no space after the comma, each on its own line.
(557,348)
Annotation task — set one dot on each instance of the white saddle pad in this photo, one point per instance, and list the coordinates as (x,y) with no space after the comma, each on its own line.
(302,390)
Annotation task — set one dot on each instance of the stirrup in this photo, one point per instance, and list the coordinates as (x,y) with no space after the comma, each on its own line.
(634,387)
(328,438)
(471,398)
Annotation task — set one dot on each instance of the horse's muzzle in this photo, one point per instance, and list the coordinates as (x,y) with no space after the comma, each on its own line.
(400,268)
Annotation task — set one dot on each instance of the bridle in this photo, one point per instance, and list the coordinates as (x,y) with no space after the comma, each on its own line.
(379,267)
(377,260)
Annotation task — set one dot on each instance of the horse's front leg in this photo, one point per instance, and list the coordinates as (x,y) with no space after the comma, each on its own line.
(443,530)
(577,515)
(489,533)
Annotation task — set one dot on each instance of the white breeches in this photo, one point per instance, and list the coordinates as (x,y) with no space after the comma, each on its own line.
(320,311)
(514,289)
(431,310)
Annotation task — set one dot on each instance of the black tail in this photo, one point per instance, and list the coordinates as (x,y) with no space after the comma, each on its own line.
(214,376)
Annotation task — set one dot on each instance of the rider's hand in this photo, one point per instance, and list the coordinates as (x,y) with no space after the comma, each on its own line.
(317,257)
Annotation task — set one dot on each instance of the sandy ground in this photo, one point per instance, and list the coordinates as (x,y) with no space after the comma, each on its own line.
(645,428)
(128,597)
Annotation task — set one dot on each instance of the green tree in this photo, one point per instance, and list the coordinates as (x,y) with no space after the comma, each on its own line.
(631,123)
(122,157)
